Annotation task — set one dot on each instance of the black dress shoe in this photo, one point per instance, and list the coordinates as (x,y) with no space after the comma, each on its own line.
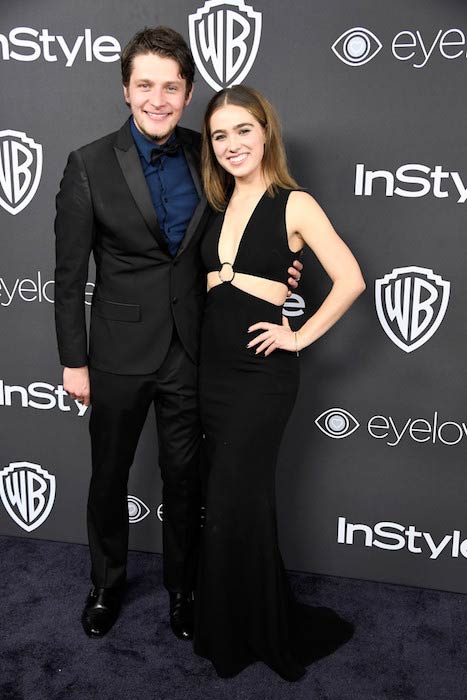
(181,615)
(101,611)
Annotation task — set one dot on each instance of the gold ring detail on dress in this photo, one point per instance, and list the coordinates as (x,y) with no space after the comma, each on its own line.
(220,272)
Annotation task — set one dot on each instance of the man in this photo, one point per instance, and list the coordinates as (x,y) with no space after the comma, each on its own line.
(134,199)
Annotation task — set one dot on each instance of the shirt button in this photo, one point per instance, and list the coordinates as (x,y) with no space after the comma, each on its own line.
(174,300)
(166,200)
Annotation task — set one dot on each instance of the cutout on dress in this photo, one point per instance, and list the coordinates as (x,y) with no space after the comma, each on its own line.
(249,284)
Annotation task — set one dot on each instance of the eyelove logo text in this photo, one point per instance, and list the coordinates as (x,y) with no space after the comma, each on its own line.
(33,289)
(294,306)
(338,423)
(358,46)
(137,509)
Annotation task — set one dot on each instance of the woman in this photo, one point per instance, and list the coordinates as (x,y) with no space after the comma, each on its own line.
(249,377)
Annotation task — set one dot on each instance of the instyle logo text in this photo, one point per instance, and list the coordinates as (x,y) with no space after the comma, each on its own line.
(412,181)
(393,536)
(41,396)
(30,44)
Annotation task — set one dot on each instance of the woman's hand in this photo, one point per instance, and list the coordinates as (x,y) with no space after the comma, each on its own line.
(275,337)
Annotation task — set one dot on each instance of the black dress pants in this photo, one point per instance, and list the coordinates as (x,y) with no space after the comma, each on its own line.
(120,404)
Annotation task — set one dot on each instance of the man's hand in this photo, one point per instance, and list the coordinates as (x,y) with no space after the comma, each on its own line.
(295,274)
(76,384)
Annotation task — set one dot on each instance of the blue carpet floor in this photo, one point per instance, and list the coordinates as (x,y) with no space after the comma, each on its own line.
(409,644)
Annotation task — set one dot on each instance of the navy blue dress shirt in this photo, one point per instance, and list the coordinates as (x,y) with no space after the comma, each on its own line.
(171,186)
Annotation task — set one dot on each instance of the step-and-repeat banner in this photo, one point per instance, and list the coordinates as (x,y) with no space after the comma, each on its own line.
(372,477)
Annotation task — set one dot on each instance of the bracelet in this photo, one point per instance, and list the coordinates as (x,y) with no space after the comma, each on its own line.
(296,343)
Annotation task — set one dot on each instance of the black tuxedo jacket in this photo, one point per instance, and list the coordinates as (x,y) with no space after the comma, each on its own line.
(104,206)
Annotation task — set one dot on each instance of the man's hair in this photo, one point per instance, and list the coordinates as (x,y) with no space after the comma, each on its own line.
(163,41)
(218,183)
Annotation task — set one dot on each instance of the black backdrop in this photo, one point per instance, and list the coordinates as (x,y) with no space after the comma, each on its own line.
(371,480)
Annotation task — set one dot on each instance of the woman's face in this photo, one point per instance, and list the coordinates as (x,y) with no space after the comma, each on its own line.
(238,141)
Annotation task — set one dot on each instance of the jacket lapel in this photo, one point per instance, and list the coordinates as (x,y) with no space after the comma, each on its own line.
(191,150)
(129,161)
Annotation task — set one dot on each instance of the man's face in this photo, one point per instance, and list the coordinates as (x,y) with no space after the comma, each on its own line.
(156,95)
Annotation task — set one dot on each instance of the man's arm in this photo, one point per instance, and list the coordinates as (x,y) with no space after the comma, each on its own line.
(74,231)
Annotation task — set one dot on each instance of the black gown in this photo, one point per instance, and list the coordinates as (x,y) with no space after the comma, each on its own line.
(244,608)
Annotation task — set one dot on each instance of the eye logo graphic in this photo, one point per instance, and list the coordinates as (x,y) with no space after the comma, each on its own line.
(28,493)
(411,303)
(20,170)
(137,510)
(224,39)
(357,46)
(337,423)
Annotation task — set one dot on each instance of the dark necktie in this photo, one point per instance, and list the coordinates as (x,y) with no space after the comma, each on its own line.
(168,149)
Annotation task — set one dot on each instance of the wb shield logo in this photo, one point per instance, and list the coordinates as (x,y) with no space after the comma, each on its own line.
(20,170)
(28,493)
(224,38)
(411,303)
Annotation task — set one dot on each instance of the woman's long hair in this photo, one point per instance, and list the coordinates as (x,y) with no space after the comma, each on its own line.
(218,183)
